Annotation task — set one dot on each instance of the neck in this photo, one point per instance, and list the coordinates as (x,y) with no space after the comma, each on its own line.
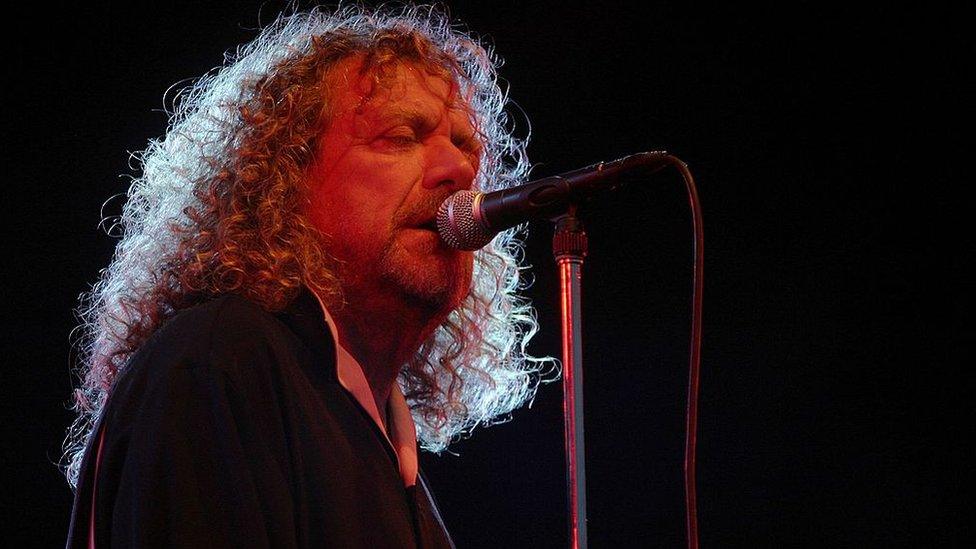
(383,335)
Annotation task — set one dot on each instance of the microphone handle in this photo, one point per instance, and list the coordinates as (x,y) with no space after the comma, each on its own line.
(551,196)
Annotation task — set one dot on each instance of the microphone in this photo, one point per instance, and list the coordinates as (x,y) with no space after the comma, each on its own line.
(469,220)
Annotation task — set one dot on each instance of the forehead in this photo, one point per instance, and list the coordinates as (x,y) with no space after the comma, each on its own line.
(402,86)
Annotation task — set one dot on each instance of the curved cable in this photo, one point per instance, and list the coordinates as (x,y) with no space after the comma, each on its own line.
(694,361)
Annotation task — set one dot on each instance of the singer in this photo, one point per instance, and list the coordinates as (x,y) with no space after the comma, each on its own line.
(281,325)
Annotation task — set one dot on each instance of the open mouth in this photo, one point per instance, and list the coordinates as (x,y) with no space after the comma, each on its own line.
(430,225)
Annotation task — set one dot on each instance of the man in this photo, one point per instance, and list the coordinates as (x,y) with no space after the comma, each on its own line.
(281,324)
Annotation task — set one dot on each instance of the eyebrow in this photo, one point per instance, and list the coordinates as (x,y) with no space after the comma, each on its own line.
(412,115)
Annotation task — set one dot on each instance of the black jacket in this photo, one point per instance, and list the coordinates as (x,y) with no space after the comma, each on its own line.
(229,428)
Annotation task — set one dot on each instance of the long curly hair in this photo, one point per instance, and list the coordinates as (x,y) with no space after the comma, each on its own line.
(217,210)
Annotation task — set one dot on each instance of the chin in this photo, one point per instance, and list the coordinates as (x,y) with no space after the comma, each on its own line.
(439,281)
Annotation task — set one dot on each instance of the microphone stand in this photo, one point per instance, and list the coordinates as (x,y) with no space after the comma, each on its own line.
(569,247)
(468,220)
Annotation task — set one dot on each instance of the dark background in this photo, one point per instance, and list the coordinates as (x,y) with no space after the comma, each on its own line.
(825,143)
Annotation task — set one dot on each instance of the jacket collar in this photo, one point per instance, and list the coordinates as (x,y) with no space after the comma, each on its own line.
(310,320)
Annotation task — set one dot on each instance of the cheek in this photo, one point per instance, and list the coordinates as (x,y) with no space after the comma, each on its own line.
(346,219)
(354,222)
(356,199)
(322,211)
(336,194)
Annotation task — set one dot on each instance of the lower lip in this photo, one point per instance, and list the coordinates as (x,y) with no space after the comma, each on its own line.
(421,230)
(431,235)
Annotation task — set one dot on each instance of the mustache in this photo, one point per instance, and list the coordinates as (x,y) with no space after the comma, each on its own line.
(420,212)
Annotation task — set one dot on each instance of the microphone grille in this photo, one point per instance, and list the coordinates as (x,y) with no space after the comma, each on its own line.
(457,223)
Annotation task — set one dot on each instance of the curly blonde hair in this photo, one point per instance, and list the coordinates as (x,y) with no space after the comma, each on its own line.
(217,209)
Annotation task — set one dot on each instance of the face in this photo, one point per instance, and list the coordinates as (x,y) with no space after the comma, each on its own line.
(392,152)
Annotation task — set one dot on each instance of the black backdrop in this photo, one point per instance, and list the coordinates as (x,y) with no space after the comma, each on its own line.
(832,373)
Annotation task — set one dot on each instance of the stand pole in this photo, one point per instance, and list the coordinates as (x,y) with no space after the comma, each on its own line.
(569,248)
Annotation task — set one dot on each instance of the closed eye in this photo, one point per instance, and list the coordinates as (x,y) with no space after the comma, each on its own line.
(399,138)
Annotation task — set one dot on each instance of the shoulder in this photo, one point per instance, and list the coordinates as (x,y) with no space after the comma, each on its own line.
(228,317)
(227,334)
(208,358)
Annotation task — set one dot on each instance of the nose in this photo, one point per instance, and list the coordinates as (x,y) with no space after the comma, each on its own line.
(447,165)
